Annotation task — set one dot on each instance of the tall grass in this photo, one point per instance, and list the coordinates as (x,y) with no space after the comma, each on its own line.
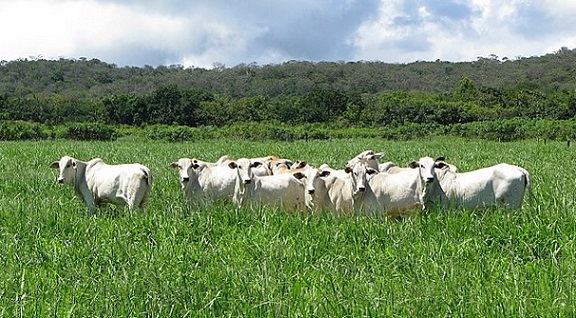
(216,260)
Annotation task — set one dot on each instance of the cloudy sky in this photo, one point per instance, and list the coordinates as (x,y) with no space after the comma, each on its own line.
(203,33)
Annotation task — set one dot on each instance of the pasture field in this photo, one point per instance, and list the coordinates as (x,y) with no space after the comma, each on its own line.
(218,261)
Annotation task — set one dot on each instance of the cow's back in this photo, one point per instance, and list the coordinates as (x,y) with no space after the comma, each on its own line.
(123,184)
(280,190)
(340,192)
(395,193)
(216,182)
(509,185)
(501,184)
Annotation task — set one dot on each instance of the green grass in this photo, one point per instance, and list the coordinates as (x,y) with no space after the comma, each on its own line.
(55,260)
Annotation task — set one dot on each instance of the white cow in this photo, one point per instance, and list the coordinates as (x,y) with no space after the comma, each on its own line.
(316,190)
(406,191)
(338,191)
(283,190)
(98,183)
(280,167)
(205,181)
(371,159)
(502,185)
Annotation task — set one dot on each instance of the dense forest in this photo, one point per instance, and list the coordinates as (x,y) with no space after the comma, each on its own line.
(443,97)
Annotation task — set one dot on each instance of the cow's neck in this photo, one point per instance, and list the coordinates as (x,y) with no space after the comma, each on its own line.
(194,183)
(445,179)
(80,186)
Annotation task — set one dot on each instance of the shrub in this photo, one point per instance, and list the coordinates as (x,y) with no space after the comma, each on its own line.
(410,131)
(21,130)
(90,131)
(181,133)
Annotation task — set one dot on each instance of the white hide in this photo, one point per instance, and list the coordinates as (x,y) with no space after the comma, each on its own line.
(503,185)
(98,183)
(404,192)
(205,181)
(283,190)
(338,191)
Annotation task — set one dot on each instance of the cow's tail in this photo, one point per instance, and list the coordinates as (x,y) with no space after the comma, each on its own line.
(143,196)
(528,185)
(147,176)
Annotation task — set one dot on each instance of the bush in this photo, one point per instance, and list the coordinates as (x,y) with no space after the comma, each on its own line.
(181,133)
(90,131)
(259,131)
(21,130)
(411,130)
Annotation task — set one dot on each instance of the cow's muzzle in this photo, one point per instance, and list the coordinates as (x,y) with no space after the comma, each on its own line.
(248,181)
(60,180)
(311,191)
(185,179)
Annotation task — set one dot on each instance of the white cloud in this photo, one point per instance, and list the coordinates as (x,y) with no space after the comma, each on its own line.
(202,32)
(72,28)
(512,28)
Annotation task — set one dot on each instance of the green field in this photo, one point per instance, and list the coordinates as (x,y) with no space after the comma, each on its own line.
(56,260)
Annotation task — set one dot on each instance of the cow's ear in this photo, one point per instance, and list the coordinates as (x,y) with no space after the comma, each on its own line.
(441,158)
(300,164)
(325,173)
(55,165)
(74,164)
(298,175)
(413,164)
(256,164)
(371,171)
(173,165)
(195,164)
(348,170)
(441,165)
(232,165)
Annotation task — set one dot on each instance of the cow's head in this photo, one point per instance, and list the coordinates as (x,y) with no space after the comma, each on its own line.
(311,176)
(243,168)
(425,168)
(183,165)
(370,158)
(358,174)
(67,166)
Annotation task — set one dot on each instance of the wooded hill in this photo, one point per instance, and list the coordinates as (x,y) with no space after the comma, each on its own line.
(336,94)
(94,78)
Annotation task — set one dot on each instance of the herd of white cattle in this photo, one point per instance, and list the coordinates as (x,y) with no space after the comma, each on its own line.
(364,185)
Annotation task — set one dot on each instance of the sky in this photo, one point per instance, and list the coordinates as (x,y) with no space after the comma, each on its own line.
(210,33)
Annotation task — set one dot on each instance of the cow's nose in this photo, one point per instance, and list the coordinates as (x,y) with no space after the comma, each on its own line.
(247,181)
(361,189)
(185,179)
(311,191)
(429,180)
(60,180)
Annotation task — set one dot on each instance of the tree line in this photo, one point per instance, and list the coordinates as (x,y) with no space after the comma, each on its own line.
(335,94)
(180,106)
